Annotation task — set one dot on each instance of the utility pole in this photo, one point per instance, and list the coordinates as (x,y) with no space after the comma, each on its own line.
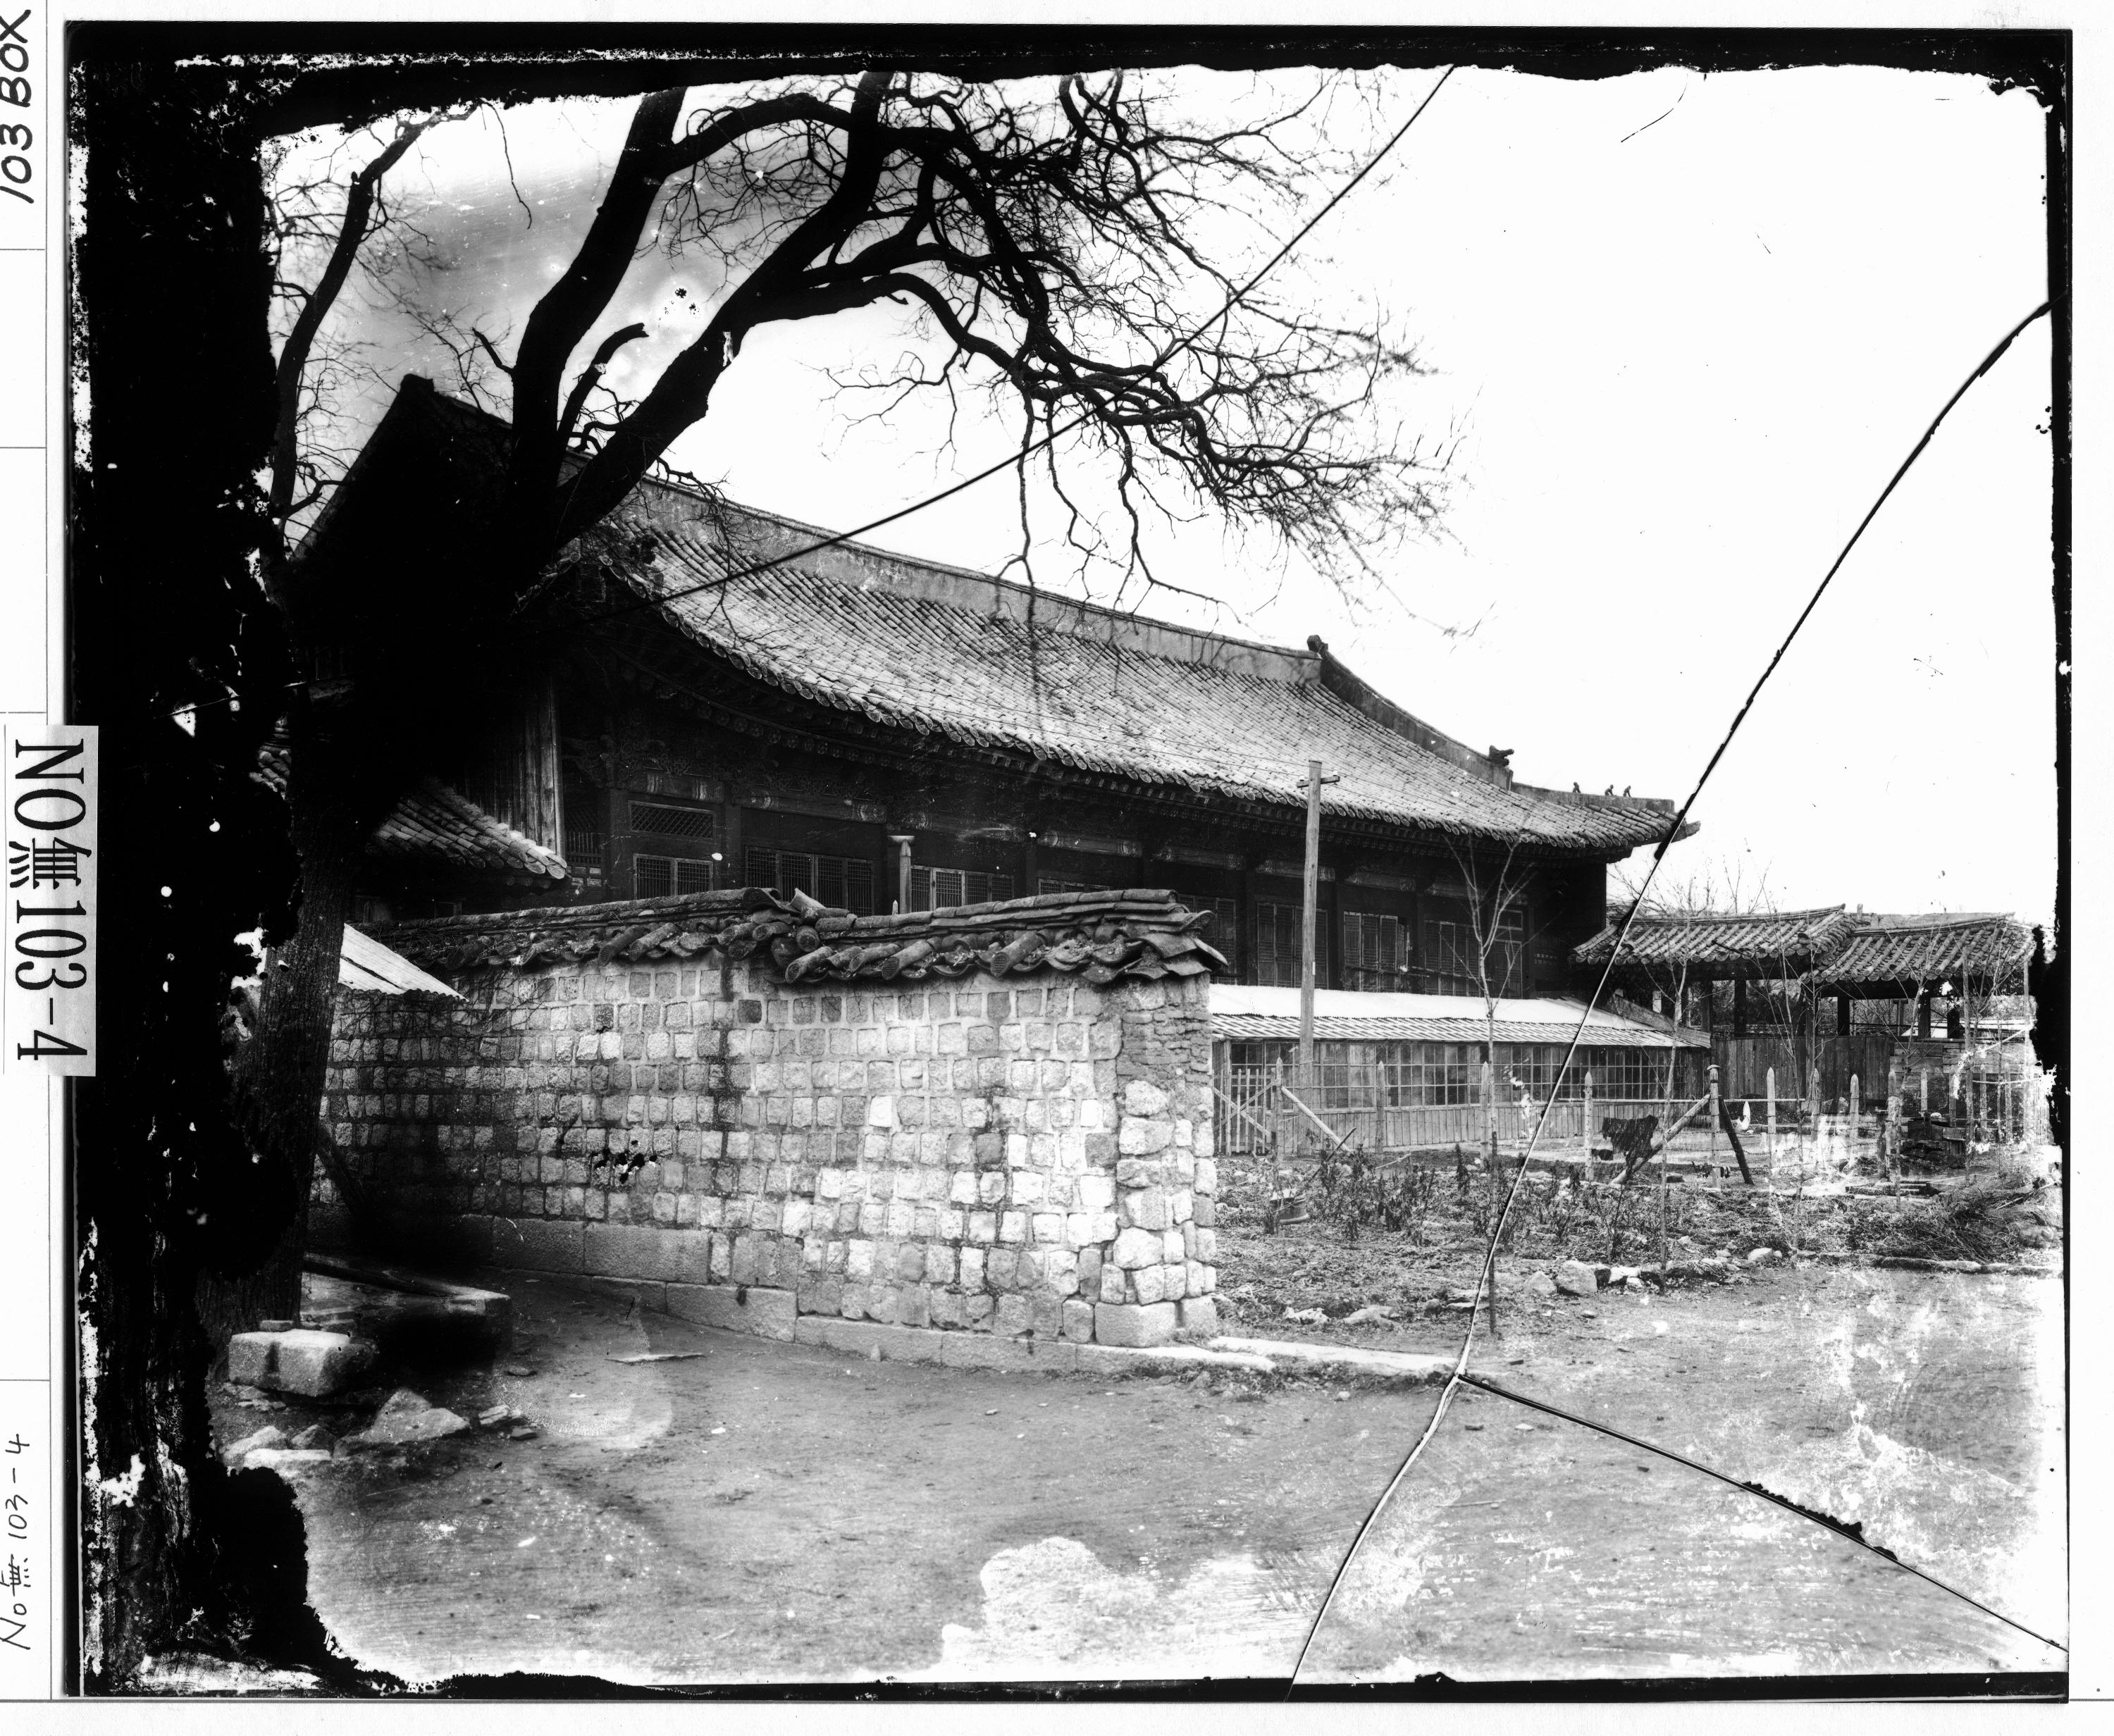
(1308,905)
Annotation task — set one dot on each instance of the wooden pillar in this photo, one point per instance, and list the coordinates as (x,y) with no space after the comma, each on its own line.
(902,841)
(1328,961)
(1739,1007)
(1923,1015)
(1251,940)
(1842,1015)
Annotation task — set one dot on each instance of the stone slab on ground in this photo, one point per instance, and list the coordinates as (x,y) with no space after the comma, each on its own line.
(314,1364)
(1403,1367)
(405,1419)
(1576,1278)
(1020,1355)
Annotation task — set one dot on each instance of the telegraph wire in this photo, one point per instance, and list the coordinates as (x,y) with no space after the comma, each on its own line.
(1460,1376)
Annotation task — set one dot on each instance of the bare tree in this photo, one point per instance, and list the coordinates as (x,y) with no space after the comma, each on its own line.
(1032,204)
(1059,245)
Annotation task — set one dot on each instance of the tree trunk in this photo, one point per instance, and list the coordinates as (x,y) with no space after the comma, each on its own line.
(279,1071)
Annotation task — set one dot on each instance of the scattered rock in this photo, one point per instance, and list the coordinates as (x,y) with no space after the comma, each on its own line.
(1763,1256)
(1538,1284)
(497,1414)
(1634,1285)
(518,1371)
(315,1438)
(275,1326)
(1306,1316)
(405,1418)
(264,1439)
(1576,1278)
(527,1432)
(1369,1316)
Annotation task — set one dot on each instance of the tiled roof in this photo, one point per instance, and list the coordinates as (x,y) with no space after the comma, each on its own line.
(1925,951)
(1136,932)
(439,823)
(433,821)
(1243,1012)
(1770,942)
(940,651)
(363,962)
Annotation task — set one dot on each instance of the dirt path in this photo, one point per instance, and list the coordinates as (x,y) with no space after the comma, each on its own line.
(767,1512)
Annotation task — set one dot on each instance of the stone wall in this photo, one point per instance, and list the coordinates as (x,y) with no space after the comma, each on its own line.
(1023,1155)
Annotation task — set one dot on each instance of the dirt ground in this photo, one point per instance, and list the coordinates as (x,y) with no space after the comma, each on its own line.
(764,1512)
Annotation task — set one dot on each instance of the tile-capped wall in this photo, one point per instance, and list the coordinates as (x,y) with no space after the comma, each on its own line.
(1020,1156)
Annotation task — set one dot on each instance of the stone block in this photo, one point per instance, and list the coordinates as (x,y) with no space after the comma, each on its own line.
(1147,1208)
(733,1307)
(654,1296)
(646,1251)
(1576,1278)
(1196,1314)
(1134,1324)
(540,1245)
(1078,1322)
(1140,1137)
(313,1364)
(1135,1248)
(1149,1284)
(1142,1097)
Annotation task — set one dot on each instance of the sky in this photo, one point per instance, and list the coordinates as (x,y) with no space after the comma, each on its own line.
(1680,330)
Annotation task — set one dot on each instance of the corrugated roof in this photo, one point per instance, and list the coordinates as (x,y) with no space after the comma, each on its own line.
(1769,942)
(1245,1012)
(1925,951)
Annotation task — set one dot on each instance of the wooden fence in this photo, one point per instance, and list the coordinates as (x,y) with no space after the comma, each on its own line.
(1744,1064)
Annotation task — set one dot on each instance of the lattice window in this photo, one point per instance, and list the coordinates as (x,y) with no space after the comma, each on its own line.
(946,889)
(664,821)
(658,876)
(842,882)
